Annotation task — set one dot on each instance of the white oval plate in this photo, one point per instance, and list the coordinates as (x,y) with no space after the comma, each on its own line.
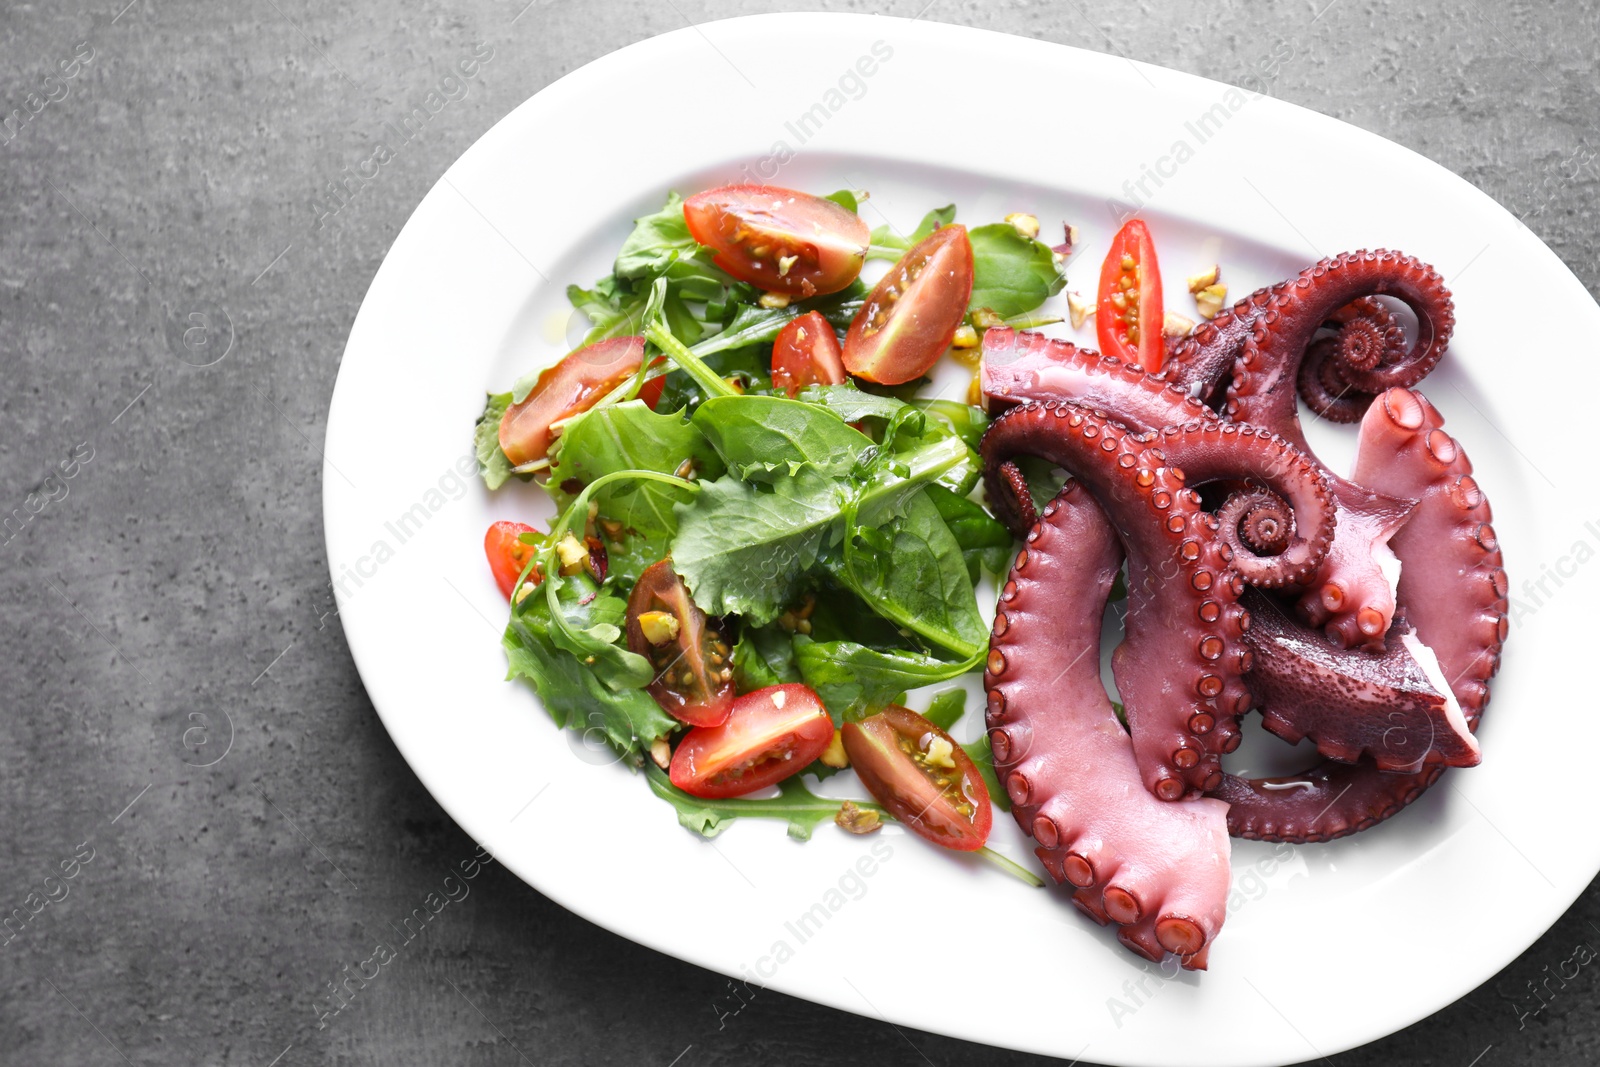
(1326,946)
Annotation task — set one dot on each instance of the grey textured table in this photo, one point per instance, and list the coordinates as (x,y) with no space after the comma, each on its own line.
(165,184)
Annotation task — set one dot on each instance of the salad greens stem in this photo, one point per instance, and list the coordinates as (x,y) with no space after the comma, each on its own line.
(1011,867)
(675,350)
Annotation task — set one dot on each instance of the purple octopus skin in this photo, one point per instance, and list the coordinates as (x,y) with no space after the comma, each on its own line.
(1182,585)
(1158,870)
(1453,591)
(1266,349)
(1392,706)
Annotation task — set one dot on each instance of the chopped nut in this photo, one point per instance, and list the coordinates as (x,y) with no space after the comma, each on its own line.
(784,263)
(526,587)
(685,470)
(803,626)
(780,698)
(1027,225)
(1211,299)
(612,528)
(659,626)
(975,391)
(1079,309)
(938,751)
(1207,277)
(661,752)
(987,319)
(1176,325)
(774,300)
(966,337)
(835,756)
(573,553)
(857,820)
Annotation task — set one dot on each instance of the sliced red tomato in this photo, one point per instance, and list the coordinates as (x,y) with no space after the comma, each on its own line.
(1129,315)
(806,353)
(908,319)
(779,239)
(564,390)
(770,734)
(690,653)
(924,778)
(508,554)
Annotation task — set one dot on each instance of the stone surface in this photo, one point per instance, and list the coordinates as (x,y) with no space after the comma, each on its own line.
(160,207)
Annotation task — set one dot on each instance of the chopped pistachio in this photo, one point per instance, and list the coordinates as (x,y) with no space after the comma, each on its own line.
(857,820)
(987,319)
(1027,225)
(774,300)
(1211,300)
(1176,325)
(1206,277)
(938,751)
(573,553)
(659,626)
(835,756)
(1079,308)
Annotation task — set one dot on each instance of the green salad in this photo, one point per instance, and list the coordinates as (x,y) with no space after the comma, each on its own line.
(766,535)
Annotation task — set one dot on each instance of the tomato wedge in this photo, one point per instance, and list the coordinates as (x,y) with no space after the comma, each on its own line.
(912,313)
(564,390)
(923,777)
(650,391)
(508,554)
(690,653)
(1129,315)
(770,734)
(806,353)
(779,239)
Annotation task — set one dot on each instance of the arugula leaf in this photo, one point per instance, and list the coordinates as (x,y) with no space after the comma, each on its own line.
(887,244)
(1011,274)
(572,691)
(854,680)
(629,436)
(796,804)
(947,707)
(763,656)
(741,550)
(493,465)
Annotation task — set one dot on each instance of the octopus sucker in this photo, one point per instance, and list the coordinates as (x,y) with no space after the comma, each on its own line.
(1364,613)
(1146,865)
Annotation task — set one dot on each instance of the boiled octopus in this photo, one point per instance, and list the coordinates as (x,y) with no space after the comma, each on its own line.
(1364,613)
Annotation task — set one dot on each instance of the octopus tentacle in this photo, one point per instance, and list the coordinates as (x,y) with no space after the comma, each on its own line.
(1182,593)
(1453,590)
(1323,387)
(1158,870)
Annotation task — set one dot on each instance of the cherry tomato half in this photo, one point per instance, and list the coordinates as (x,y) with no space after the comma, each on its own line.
(1129,315)
(779,239)
(650,391)
(564,390)
(690,653)
(912,313)
(806,353)
(508,555)
(770,734)
(923,777)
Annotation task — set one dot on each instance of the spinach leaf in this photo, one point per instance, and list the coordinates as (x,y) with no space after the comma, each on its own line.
(492,463)
(571,690)
(963,420)
(854,680)
(639,514)
(947,707)
(1011,273)
(763,656)
(975,530)
(911,571)
(851,404)
(658,240)
(763,437)
(845,198)
(795,804)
